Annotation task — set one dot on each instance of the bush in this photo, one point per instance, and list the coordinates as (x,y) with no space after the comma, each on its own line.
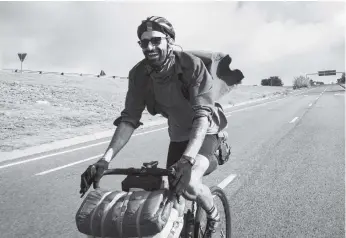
(264,82)
(301,82)
(342,79)
(272,81)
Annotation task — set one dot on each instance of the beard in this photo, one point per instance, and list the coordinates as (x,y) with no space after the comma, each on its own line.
(155,57)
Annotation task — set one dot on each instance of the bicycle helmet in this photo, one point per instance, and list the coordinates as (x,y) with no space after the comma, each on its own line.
(155,23)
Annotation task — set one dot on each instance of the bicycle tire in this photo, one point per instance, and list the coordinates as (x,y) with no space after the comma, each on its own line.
(216,191)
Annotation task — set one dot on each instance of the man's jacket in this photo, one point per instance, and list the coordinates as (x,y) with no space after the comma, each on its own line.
(141,94)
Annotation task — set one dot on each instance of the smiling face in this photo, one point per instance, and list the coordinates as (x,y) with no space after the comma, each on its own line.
(155,48)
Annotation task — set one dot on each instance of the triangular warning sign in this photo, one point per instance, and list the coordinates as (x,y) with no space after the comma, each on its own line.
(102,73)
(22,56)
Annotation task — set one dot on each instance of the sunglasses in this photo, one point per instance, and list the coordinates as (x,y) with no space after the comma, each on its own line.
(155,41)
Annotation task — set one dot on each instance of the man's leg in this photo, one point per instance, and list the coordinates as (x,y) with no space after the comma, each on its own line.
(206,163)
(196,190)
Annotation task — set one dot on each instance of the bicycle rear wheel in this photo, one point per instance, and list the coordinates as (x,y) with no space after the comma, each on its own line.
(221,202)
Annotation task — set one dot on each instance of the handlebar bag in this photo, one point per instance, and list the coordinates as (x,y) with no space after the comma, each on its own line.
(148,183)
(105,213)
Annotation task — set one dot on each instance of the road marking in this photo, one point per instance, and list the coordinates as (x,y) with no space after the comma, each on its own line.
(68,165)
(294,119)
(142,133)
(339,94)
(243,109)
(63,152)
(45,156)
(262,104)
(226,181)
(321,94)
(310,104)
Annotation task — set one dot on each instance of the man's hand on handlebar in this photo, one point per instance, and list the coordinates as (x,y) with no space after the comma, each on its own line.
(92,175)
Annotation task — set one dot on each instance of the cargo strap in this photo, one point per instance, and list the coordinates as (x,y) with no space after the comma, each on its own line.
(138,219)
(95,209)
(107,209)
(122,213)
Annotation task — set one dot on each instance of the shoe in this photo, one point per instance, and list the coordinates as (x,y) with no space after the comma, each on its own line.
(211,227)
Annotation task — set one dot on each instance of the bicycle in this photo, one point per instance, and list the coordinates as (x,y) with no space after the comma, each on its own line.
(194,221)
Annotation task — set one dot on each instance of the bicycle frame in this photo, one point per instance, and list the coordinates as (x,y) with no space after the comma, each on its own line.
(190,222)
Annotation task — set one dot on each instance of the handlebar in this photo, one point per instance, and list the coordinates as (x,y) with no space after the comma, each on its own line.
(148,169)
(142,172)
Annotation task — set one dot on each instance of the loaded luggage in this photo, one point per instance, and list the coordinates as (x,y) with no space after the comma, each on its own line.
(124,214)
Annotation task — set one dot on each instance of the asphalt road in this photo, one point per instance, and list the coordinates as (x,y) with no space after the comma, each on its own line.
(288,167)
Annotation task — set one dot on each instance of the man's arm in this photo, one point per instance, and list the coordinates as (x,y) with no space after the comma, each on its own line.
(198,132)
(120,138)
(129,119)
(126,124)
(202,102)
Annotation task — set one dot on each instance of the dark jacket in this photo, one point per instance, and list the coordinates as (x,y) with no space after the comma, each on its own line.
(195,69)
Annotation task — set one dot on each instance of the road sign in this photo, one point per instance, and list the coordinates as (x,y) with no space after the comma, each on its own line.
(22,56)
(326,72)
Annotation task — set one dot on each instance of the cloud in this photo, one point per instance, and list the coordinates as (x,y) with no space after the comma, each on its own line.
(263,38)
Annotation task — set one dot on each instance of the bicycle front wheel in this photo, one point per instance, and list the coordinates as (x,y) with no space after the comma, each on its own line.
(222,205)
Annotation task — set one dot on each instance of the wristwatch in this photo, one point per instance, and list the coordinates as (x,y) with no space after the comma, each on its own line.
(188,159)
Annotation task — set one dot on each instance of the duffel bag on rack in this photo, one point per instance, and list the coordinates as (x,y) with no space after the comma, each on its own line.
(105,213)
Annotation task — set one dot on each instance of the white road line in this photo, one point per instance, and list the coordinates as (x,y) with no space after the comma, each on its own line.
(310,104)
(63,152)
(226,181)
(142,133)
(321,94)
(45,156)
(68,165)
(294,119)
(262,104)
(243,109)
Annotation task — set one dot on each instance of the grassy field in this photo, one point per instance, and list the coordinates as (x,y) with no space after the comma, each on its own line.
(37,109)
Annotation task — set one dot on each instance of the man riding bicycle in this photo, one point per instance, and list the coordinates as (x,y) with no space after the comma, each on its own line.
(194,123)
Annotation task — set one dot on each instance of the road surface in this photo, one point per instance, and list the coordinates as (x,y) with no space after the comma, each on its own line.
(285,177)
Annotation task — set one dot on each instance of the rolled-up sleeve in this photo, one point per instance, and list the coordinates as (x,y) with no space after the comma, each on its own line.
(201,90)
(134,105)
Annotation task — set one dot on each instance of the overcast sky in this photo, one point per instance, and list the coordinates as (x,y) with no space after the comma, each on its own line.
(263,38)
